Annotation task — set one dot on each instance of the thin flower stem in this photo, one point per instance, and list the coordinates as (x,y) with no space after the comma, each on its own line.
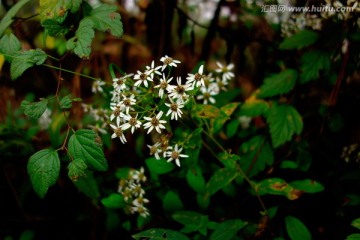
(69,71)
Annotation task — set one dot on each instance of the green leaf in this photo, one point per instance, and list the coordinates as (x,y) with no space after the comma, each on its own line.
(229,108)
(172,202)
(54,28)
(66,102)
(256,153)
(296,229)
(356,223)
(57,10)
(284,121)
(299,40)
(34,110)
(114,201)
(312,63)
(157,167)
(88,185)
(82,145)
(192,221)
(160,234)
(355,236)
(221,178)
(81,43)
(307,185)
(106,19)
(193,147)
(206,111)
(253,107)
(9,45)
(43,168)
(76,169)
(225,113)
(227,230)
(277,84)
(277,186)
(9,16)
(232,128)
(229,160)
(288,164)
(23,60)
(196,179)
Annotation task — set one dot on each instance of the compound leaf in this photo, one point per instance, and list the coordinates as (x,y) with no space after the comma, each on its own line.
(280,83)
(82,144)
(23,60)
(43,168)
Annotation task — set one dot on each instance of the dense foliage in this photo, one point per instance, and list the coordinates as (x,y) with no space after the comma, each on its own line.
(157,122)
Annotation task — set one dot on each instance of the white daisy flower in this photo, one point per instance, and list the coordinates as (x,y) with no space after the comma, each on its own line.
(119,84)
(174,109)
(118,132)
(175,154)
(164,85)
(155,123)
(150,70)
(132,122)
(168,61)
(97,86)
(142,77)
(127,102)
(225,70)
(143,211)
(140,201)
(207,94)
(116,113)
(155,150)
(196,79)
(179,91)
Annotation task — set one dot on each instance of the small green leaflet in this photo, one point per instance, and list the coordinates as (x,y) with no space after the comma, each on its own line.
(57,10)
(34,110)
(43,168)
(9,16)
(172,202)
(66,102)
(221,178)
(9,45)
(312,63)
(356,223)
(284,121)
(355,236)
(82,145)
(76,169)
(81,43)
(299,40)
(114,201)
(54,28)
(227,230)
(160,234)
(195,179)
(192,221)
(23,60)
(106,19)
(277,84)
(296,229)
(307,185)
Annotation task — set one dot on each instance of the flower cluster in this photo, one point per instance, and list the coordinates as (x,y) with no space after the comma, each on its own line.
(133,192)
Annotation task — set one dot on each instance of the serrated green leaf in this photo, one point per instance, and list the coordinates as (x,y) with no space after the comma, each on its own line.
(34,110)
(114,201)
(88,185)
(277,84)
(195,179)
(307,185)
(106,19)
(76,169)
(43,168)
(356,223)
(355,236)
(23,60)
(172,202)
(253,107)
(9,45)
(66,102)
(81,43)
(299,40)
(312,63)
(160,234)
(227,229)
(284,121)
(82,145)
(54,28)
(296,229)
(9,16)
(256,153)
(221,178)
(57,10)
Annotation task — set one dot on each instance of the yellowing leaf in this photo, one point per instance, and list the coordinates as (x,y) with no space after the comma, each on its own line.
(253,107)
(57,10)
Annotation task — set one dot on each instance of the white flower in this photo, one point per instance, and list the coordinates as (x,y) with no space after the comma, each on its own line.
(164,85)
(137,190)
(179,91)
(174,109)
(127,102)
(154,123)
(132,122)
(139,176)
(120,83)
(207,94)
(143,211)
(150,70)
(118,132)
(115,96)
(244,121)
(155,150)
(97,86)
(225,70)
(168,61)
(175,154)
(196,79)
(142,77)
(116,113)
(45,119)
(140,201)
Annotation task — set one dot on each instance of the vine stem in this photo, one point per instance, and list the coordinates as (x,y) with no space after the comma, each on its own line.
(69,71)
